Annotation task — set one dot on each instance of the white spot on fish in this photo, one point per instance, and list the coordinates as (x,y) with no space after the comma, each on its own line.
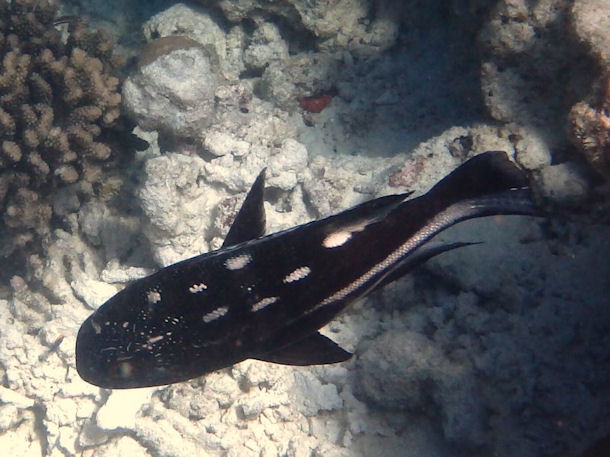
(153,296)
(336,239)
(215,314)
(125,369)
(297,275)
(155,339)
(96,327)
(377,272)
(237,263)
(343,235)
(264,303)
(197,288)
(125,324)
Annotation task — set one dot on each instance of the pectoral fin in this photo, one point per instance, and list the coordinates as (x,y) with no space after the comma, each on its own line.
(316,349)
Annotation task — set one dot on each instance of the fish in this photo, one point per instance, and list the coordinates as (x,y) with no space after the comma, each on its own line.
(266,297)
(53,348)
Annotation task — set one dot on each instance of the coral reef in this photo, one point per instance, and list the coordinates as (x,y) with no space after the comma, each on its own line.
(173,89)
(59,108)
(589,120)
(298,77)
(546,66)
(495,349)
(361,26)
(590,129)
(527,60)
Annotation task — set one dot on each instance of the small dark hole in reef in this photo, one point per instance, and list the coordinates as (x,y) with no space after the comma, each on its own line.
(273,194)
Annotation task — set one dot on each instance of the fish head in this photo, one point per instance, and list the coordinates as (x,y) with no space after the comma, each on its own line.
(105,360)
(137,339)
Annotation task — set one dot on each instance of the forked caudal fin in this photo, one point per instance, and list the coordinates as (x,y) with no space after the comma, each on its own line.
(487,184)
(485,175)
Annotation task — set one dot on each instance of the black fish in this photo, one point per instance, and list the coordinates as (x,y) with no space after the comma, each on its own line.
(266,297)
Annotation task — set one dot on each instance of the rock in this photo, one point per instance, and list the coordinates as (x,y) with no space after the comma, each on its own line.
(174,93)
(397,369)
(220,144)
(93,293)
(501,251)
(531,150)
(285,166)
(13,400)
(364,27)
(266,45)
(121,408)
(591,22)
(313,395)
(287,81)
(403,370)
(565,183)
(122,445)
(177,230)
(22,439)
(527,69)
(200,25)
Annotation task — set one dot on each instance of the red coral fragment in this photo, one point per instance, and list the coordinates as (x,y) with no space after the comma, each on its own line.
(316,103)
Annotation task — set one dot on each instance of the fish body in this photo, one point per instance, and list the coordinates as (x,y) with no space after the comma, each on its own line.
(266,297)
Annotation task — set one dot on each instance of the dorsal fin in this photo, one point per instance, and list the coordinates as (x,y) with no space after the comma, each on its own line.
(249,223)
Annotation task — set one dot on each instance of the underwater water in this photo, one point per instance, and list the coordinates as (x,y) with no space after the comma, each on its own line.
(123,154)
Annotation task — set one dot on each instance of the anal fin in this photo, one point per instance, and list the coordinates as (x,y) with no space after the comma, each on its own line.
(420,256)
(316,349)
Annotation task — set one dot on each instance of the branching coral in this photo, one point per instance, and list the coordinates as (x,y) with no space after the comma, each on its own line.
(59,107)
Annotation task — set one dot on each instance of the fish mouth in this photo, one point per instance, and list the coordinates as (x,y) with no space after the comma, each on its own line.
(102,365)
(87,361)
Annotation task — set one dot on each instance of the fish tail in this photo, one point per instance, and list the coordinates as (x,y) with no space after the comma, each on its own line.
(486,174)
(486,185)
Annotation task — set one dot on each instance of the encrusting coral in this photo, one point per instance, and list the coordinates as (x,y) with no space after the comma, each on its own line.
(59,112)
